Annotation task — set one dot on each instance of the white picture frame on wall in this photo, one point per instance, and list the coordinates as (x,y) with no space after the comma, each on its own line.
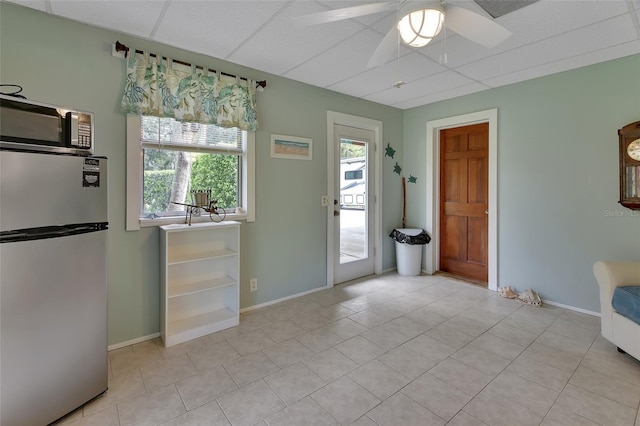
(291,147)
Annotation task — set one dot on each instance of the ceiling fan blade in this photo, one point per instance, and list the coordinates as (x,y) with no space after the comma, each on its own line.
(345,13)
(475,27)
(385,49)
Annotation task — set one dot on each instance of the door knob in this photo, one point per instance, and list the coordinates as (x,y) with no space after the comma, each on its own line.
(486,211)
(336,213)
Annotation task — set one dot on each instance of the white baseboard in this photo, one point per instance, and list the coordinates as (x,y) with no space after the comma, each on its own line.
(133,341)
(273,302)
(571,308)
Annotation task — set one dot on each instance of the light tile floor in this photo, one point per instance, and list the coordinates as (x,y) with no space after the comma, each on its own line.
(387,350)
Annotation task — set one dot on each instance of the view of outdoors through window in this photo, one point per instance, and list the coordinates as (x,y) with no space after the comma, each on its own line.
(181,157)
(352,149)
(352,176)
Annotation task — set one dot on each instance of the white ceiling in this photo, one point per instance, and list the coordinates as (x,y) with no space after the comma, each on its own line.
(549,36)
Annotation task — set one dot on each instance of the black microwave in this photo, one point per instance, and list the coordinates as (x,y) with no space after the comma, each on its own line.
(33,126)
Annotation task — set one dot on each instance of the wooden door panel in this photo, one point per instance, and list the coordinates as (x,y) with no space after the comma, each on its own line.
(478,141)
(465,269)
(452,143)
(477,182)
(477,240)
(451,171)
(464,173)
(454,246)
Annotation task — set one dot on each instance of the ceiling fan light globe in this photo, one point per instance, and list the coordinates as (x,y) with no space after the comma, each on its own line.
(419,27)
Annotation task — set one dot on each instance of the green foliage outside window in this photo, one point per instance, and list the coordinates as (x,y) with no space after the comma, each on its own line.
(352,149)
(216,171)
(220,173)
(157,189)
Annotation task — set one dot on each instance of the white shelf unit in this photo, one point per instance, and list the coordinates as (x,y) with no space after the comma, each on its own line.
(200,273)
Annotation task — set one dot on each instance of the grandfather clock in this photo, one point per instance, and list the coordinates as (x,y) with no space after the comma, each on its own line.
(630,165)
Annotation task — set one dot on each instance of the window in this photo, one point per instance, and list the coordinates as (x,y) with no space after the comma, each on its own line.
(353,174)
(168,159)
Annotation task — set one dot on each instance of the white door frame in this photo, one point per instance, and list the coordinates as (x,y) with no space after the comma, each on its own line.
(433,191)
(376,127)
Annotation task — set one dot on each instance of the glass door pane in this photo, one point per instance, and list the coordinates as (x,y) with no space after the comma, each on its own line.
(353,200)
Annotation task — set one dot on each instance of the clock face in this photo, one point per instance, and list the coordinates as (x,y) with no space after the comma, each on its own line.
(634,150)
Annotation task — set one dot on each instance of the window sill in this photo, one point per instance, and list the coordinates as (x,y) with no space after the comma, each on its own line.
(161,221)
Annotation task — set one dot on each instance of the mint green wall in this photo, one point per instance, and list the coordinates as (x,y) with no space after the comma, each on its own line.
(63,62)
(557,175)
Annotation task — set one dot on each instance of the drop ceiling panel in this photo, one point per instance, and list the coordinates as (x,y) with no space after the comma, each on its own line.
(349,59)
(215,28)
(412,67)
(610,53)
(440,96)
(280,46)
(599,36)
(123,16)
(427,86)
(365,83)
(459,50)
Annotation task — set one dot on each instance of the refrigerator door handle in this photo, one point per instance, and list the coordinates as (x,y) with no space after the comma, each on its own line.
(31,234)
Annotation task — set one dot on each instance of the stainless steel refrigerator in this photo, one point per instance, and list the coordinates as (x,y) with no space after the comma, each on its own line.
(53,284)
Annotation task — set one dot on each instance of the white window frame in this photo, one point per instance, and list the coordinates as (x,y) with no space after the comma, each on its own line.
(135,168)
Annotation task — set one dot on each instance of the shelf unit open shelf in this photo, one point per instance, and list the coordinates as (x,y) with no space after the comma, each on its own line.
(201,256)
(196,287)
(200,280)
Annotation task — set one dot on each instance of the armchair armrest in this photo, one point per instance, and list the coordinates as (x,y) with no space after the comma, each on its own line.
(609,276)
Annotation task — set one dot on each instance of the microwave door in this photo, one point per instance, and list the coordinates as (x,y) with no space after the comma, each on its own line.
(36,127)
(36,124)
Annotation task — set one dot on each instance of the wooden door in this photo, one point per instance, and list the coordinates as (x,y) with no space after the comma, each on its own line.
(464,200)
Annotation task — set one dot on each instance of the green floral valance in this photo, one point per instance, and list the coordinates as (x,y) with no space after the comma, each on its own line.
(154,87)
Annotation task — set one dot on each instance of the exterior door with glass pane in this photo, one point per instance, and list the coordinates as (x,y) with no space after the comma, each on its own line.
(354,203)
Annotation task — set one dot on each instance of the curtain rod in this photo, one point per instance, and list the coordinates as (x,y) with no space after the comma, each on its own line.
(123,48)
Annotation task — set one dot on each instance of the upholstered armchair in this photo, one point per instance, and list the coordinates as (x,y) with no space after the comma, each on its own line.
(621,330)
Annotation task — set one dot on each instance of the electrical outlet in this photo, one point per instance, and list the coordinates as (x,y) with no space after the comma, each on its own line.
(324,201)
(253,284)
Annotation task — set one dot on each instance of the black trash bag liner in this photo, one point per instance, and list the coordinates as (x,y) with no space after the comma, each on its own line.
(401,237)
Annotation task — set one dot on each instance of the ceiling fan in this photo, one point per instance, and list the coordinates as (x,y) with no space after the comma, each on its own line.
(419,21)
